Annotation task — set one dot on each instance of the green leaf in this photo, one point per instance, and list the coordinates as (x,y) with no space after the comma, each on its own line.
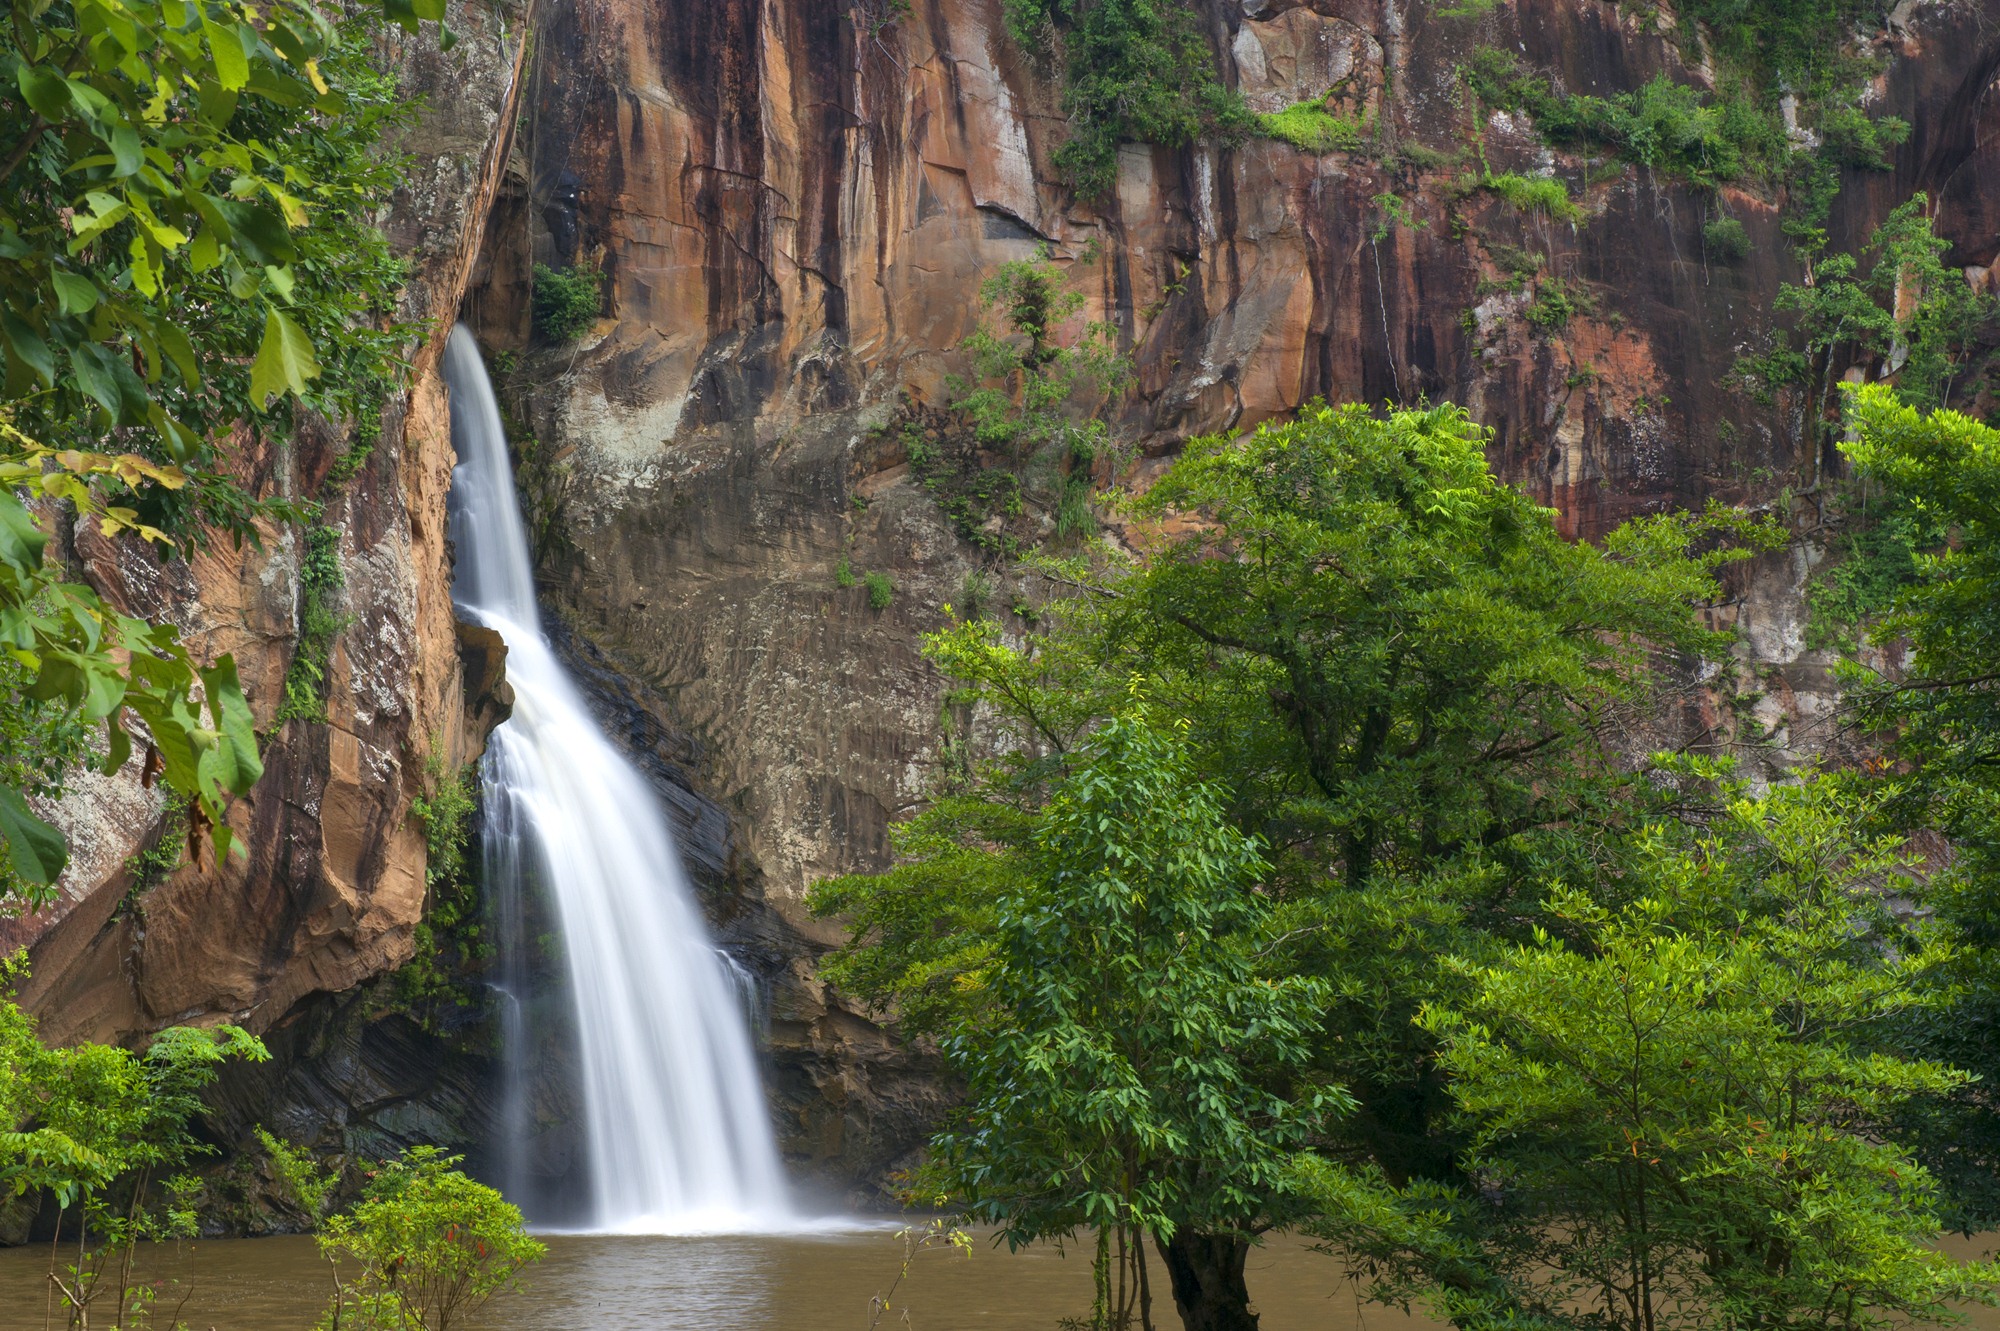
(285,360)
(126,151)
(44,89)
(37,851)
(232,66)
(259,232)
(21,541)
(76,293)
(27,347)
(428,9)
(232,761)
(110,380)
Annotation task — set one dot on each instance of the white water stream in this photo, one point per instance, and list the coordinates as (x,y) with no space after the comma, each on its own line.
(678,1134)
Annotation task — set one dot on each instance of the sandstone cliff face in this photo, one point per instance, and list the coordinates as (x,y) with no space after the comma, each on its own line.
(794,210)
(333,882)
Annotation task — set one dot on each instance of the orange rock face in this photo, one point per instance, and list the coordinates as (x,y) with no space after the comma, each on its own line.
(332,883)
(794,209)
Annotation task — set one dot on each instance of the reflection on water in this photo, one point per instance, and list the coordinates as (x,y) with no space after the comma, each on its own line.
(792,1283)
(789,1283)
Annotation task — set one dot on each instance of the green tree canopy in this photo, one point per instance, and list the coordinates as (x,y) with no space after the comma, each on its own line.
(1679,1111)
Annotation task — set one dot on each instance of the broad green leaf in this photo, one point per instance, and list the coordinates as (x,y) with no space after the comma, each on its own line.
(37,851)
(27,347)
(125,150)
(76,293)
(21,540)
(231,760)
(232,66)
(145,276)
(109,379)
(44,89)
(285,360)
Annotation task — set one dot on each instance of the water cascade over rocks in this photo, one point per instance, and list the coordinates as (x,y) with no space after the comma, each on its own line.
(677,1131)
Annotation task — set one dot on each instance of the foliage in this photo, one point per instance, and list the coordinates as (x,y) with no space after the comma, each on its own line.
(98,1127)
(1133,71)
(186,248)
(1315,127)
(1552,308)
(843,573)
(1546,195)
(1030,399)
(1726,239)
(1876,553)
(449,936)
(320,623)
(1790,43)
(566,303)
(881,591)
(1664,127)
(186,235)
(1394,677)
(1941,715)
(93,665)
(1132,1071)
(1426,635)
(428,1245)
(1911,309)
(1679,1111)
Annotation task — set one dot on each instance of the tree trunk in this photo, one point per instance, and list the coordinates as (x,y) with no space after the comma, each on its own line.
(1207,1273)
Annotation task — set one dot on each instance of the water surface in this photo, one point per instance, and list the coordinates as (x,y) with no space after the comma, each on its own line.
(759,1283)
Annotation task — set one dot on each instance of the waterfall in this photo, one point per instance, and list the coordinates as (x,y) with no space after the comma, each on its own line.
(678,1135)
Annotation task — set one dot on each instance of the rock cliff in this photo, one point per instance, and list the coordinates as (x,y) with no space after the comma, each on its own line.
(333,882)
(794,203)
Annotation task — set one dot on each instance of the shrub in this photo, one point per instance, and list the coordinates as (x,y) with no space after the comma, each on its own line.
(843,573)
(320,623)
(1726,239)
(566,304)
(1534,194)
(432,1245)
(1551,309)
(1135,71)
(1310,127)
(1852,139)
(881,591)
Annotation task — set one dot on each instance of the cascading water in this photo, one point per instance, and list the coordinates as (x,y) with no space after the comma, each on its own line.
(676,1125)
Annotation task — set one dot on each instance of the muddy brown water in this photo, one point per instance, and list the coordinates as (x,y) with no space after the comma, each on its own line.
(794,1283)
(802,1283)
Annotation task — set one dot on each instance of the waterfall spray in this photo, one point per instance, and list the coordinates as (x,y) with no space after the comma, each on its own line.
(678,1134)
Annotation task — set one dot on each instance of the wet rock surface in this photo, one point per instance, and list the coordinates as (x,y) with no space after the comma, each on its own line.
(793,214)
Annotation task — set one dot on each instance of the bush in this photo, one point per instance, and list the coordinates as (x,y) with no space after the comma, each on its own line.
(1310,127)
(1726,239)
(881,591)
(566,304)
(432,1245)
(1135,71)
(1534,194)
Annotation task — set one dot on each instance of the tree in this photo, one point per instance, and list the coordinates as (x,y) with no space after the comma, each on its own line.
(1941,715)
(1678,1111)
(1134,71)
(1133,1072)
(1911,311)
(1438,662)
(186,249)
(100,1128)
(430,1244)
